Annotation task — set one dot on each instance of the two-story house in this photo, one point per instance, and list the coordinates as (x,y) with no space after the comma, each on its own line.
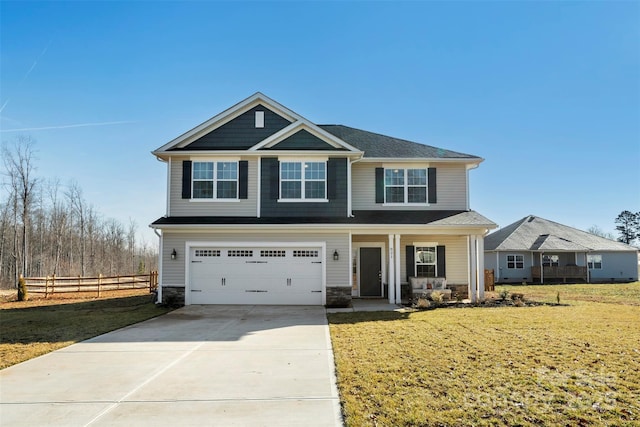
(266,207)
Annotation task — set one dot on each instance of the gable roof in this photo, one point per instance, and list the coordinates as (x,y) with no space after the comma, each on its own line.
(295,121)
(376,145)
(537,234)
(213,134)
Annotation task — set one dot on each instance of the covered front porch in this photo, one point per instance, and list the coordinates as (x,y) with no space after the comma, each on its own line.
(560,266)
(381,264)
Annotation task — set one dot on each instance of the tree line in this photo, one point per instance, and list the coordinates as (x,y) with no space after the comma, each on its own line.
(48,228)
(628,228)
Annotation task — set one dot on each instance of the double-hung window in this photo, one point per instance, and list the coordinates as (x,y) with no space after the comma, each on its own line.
(405,186)
(303,180)
(594,262)
(426,261)
(550,260)
(515,261)
(215,180)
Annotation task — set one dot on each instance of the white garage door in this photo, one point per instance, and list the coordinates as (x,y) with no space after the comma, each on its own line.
(270,275)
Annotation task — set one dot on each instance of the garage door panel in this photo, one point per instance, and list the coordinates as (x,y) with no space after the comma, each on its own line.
(256,275)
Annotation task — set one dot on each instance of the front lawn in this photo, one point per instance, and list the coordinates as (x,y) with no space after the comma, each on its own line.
(32,328)
(564,365)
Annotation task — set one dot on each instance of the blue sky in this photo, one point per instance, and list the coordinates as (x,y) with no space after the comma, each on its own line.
(547,92)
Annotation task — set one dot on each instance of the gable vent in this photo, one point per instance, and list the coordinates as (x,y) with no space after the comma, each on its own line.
(259,119)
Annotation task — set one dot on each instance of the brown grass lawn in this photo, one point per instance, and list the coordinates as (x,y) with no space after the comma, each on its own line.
(576,364)
(38,326)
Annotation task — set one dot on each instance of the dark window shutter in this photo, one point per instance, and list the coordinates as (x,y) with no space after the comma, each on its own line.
(186,179)
(442,271)
(243,179)
(332,179)
(274,179)
(432,185)
(411,261)
(379,185)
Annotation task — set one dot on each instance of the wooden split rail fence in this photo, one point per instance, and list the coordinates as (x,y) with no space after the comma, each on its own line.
(57,285)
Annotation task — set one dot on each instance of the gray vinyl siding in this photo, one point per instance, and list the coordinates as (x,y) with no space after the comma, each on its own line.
(456,251)
(503,274)
(184,207)
(616,267)
(336,206)
(241,132)
(451,187)
(174,270)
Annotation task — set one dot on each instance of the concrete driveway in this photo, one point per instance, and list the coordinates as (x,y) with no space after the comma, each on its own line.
(199,365)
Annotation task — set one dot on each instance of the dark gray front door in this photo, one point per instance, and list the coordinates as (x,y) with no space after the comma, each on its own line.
(370,272)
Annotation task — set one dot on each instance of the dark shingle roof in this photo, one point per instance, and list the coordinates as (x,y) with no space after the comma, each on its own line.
(375,145)
(533,233)
(444,218)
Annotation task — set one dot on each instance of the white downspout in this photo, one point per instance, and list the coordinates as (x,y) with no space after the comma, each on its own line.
(259,196)
(168,187)
(349,185)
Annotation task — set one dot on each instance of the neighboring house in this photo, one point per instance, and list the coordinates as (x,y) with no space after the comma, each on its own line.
(517,252)
(266,207)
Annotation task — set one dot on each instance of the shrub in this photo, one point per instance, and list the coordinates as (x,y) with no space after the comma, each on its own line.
(504,294)
(437,297)
(23,294)
(423,303)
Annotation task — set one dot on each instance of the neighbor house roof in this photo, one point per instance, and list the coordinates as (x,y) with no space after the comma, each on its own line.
(533,233)
(376,145)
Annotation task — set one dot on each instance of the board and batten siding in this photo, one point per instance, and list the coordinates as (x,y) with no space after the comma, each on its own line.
(451,188)
(456,250)
(185,207)
(173,273)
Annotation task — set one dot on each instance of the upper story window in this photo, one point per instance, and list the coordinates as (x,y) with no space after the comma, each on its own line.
(515,261)
(405,186)
(594,262)
(215,180)
(303,181)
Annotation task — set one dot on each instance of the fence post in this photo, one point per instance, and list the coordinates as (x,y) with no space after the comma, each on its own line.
(46,287)
(53,284)
(79,283)
(118,282)
(99,283)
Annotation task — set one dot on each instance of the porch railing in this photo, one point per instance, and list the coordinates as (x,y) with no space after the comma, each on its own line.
(559,272)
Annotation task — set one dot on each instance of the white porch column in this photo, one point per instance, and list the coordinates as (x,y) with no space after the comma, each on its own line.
(473,269)
(397,269)
(480,267)
(392,275)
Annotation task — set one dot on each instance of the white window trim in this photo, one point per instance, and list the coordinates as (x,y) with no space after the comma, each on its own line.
(215,180)
(302,180)
(406,186)
(415,256)
(515,261)
(593,267)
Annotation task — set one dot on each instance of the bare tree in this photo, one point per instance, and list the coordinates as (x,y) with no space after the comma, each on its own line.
(45,229)
(597,231)
(78,205)
(19,161)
